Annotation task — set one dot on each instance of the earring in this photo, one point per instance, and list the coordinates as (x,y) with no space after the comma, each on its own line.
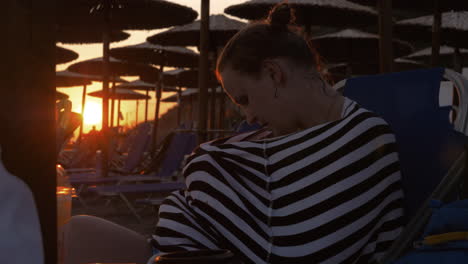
(276,92)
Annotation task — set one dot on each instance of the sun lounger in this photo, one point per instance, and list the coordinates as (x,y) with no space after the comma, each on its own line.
(169,162)
(431,149)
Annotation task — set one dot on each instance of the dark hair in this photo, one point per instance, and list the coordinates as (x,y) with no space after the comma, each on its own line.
(275,37)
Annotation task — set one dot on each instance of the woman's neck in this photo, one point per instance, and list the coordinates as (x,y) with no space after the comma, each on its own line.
(318,104)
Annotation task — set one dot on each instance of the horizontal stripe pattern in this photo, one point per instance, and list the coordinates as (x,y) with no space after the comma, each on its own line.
(328,194)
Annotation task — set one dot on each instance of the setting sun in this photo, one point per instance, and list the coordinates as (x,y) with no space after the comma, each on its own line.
(92,113)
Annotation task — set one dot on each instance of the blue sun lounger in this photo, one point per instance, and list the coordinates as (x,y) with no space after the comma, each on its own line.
(431,148)
(181,145)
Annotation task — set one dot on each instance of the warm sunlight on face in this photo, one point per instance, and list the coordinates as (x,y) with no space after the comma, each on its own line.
(92,113)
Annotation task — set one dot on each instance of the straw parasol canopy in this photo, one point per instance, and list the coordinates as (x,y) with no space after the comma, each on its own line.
(420,5)
(181,78)
(60,96)
(63,55)
(186,94)
(355,45)
(121,94)
(454,29)
(334,13)
(434,7)
(70,79)
(222,29)
(446,56)
(141,85)
(125,14)
(80,35)
(157,55)
(117,67)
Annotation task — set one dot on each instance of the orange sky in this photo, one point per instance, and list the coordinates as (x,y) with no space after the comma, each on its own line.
(95,50)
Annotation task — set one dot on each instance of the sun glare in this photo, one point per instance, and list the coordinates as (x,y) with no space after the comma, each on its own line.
(92,113)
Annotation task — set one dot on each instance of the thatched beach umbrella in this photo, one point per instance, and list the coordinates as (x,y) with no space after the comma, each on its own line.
(171,56)
(161,56)
(420,5)
(80,35)
(121,94)
(221,29)
(144,86)
(449,57)
(453,31)
(189,78)
(124,14)
(352,45)
(63,55)
(436,7)
(186,94)
(333,13)
(71,79)
(185,78)
(182,78)
(116,68)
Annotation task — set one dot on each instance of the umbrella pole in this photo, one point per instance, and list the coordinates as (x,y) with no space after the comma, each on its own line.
(118,114)
(385,32)
(112,106)
(146,104)
(105,90)
(158,101)
(83,102)
(136,112)
(436,34)
(203,70)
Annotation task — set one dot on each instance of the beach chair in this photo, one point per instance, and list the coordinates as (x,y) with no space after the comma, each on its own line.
(137,149)
(129,164)
(129,170)
(431,148)
(169,162)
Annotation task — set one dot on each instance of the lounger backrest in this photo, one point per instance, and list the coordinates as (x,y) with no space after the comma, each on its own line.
(182,144)
(138,147)
(427,142)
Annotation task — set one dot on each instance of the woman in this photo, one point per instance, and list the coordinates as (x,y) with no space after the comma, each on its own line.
(324,189)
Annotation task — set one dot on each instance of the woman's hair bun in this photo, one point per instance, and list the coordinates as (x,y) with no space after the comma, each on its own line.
(281,15)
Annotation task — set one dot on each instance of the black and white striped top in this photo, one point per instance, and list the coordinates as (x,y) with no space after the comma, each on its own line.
(328,194)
